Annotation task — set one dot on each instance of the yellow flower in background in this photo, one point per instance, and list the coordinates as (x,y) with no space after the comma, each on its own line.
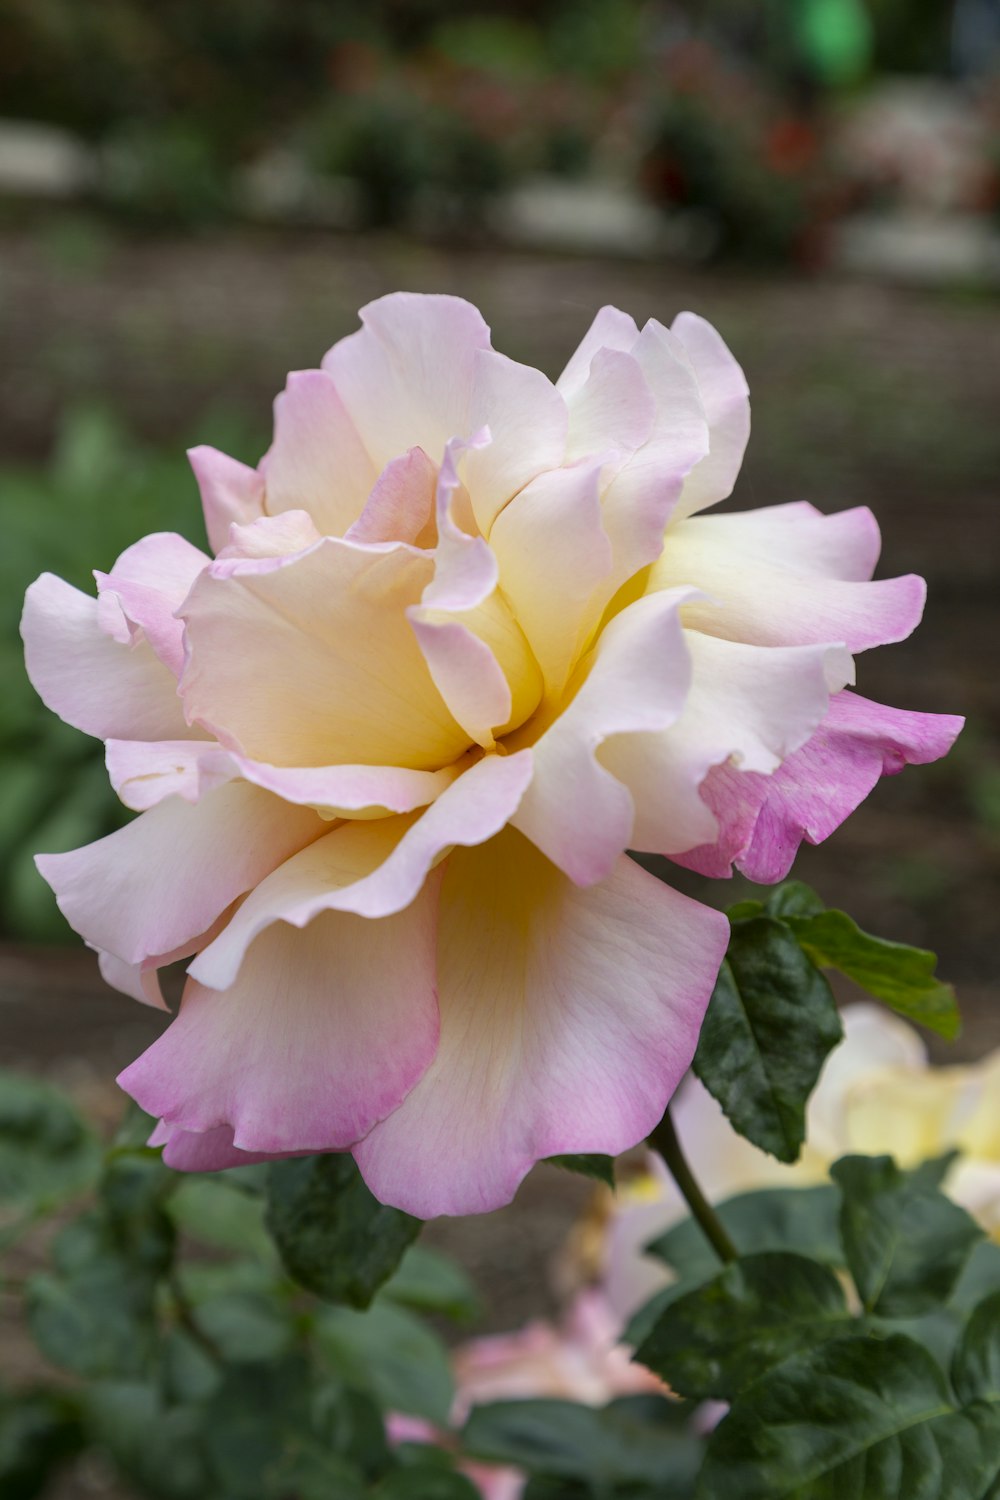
(877,1095)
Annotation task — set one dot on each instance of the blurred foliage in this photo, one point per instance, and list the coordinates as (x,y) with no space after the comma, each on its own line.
(744,160)
(98,494)
(426,110)
(189,1359)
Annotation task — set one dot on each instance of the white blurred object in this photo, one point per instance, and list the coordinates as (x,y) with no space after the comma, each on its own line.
(921,142)
(44,162)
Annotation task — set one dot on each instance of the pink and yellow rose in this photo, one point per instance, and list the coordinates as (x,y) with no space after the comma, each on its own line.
(464,639)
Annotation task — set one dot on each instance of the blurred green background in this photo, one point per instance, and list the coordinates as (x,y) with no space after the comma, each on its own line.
(195,198)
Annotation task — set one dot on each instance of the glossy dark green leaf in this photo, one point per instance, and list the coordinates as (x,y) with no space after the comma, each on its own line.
(769,1027)
(758,1311)
(39,1432)
(333,1236)
(905,1244)
(432,1283)
(800,1219)
(856,1419)
(901,976)
(588,1164)
(975,1370)
(637,1440)
(392,1355)
(47,1153)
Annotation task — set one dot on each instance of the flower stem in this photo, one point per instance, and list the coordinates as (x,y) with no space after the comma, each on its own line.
(664,1140)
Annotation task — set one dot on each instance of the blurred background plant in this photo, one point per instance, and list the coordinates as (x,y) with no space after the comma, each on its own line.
(426,111)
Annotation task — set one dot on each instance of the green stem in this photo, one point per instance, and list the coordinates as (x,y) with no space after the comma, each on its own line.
(184,1314)
(664,1140)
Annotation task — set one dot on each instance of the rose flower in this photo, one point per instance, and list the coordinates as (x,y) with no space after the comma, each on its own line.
(464,641)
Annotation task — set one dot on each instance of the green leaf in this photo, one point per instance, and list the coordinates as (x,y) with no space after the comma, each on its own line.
(636,1440)
(39,1432)
(215,1211)
(267,1437)
(980,1277)
(310,1471)
(425,1483)
(905,1244)
(392,1355)
(901,976)
(333,1236)
(155,1446)
(770,1024)
(95,1314)
(858,1417)
(975,1370)
(800,1219)
(430,1282)
(588,1164)
(758,1311)
(743,910)
(247,1326)
(793,899)
(47,1153)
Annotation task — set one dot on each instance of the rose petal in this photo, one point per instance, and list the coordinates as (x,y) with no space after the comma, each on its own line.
(150,580)
(773,605)
(554,555)
(726,399)
(166,876)
(406,376)
(400,507)
(641,498)
(144,773)
(314,662)
(321,1036)
(611,329)
(230,492)
(398,852)
(476,653)
(107,689)
(638,680)
(269,537)
(614,408)
(208,1150)
(801,539)
(763,820)
(568,1017)
(755,704)
(528,423)
(318,462)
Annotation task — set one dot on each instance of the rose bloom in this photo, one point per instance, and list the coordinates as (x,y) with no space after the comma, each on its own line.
(464,640)
(877,1094)
(579,1359)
